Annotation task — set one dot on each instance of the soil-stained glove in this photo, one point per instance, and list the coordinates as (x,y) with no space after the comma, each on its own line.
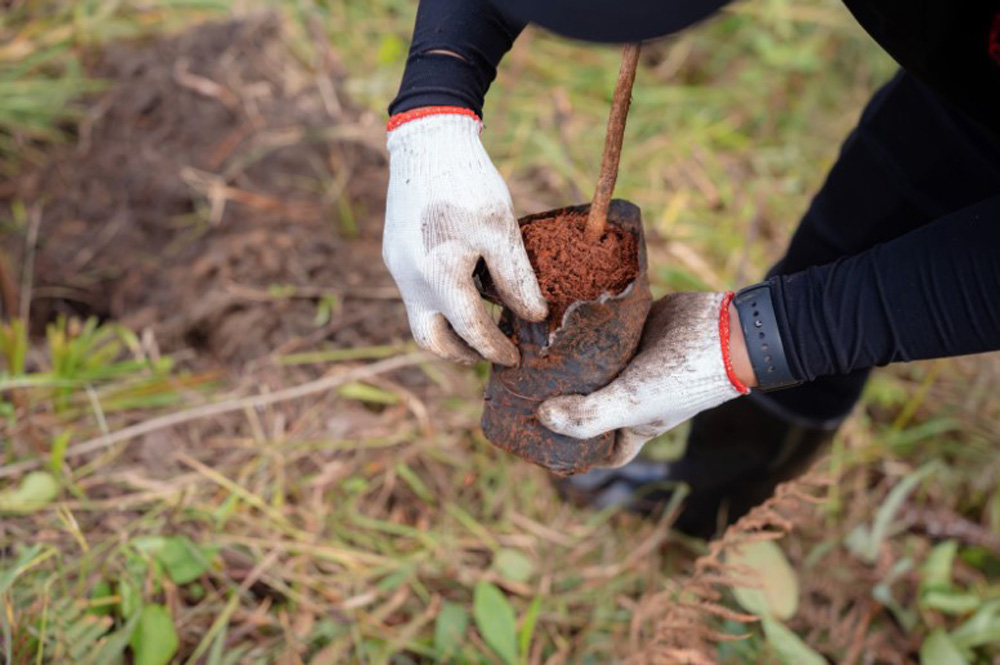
(682,368)
(448,207)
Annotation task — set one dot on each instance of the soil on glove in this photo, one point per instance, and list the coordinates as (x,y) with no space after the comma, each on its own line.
(570,268)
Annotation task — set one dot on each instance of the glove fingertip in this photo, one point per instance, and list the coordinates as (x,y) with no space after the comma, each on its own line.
(535,311)
(506,355)
(562,415)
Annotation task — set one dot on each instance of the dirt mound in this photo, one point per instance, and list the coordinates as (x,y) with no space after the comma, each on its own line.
(222,194)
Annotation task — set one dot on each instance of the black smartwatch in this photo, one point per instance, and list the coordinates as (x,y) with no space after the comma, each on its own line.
(763,339)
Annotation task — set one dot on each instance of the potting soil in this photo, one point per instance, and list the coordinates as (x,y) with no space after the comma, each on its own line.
(571,268)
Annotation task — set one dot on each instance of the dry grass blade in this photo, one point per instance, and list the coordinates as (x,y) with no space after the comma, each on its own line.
(230,406)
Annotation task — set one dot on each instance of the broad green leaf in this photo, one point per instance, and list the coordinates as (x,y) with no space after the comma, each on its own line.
(950,601)
(362,392)
(154,641)
(938,649)
(514,565)
(776,590)
(449,631)
(495,620)
(181,559)
(935,573)
(528,626)
(788,646)
(981,628)
(37,490)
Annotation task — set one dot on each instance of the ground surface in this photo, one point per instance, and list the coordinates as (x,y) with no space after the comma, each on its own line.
(208,173)
(216,207)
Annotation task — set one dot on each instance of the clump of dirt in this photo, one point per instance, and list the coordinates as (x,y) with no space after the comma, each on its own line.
(570,268)
(222,194)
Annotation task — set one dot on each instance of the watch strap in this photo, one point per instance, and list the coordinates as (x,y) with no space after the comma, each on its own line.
(763,338)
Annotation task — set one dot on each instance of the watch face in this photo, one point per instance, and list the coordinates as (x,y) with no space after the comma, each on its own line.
(611,20)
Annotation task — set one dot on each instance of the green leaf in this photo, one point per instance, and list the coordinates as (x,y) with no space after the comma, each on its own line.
(395,580)
(514,565)
(325,308)
(131,598)
(938,649)
(776,587)
(935,573)
(983,627)
(100,598)
(528,626)
(29,558)
(113,646)
(495,620)
(882,593)
(936,589)
(867,543)
(154,641)
(950,602)
(57,456)
(180,558)
(362,392)
(37,490)
(449,631)
(788,646)
(218,651)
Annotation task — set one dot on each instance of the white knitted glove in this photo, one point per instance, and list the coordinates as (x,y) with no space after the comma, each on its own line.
(447,207)
(682,368)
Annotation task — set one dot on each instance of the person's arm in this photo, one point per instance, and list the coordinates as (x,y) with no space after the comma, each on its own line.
(932,293)
(447,206)
(456,47)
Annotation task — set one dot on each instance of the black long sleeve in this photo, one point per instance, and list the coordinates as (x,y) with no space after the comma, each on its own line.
(934,292)
(474,30)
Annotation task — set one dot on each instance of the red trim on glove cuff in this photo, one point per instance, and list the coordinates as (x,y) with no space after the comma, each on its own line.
(724,336)
(415,114)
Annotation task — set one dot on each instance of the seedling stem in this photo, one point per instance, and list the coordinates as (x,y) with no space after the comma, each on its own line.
(598,217)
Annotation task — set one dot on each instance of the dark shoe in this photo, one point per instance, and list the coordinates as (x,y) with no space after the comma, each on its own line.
(737,453)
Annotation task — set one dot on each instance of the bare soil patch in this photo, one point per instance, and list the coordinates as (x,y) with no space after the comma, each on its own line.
(220,191)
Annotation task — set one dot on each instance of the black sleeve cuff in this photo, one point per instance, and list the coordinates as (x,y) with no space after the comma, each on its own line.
(792,358)
(436,79)
(476,32)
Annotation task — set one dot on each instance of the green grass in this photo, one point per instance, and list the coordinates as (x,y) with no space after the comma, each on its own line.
(267,536)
